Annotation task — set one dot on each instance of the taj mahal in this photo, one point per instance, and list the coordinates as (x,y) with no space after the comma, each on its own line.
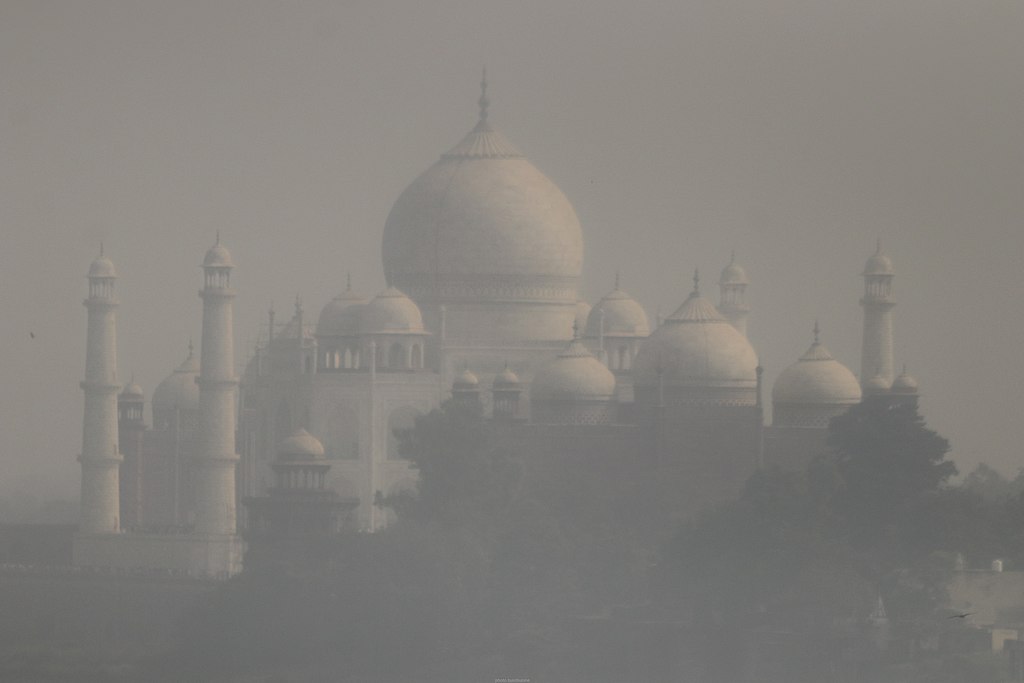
(482,254)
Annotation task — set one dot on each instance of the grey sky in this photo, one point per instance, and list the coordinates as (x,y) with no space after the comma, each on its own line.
(793,131)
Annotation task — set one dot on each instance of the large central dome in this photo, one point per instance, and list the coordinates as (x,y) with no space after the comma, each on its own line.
(484,225)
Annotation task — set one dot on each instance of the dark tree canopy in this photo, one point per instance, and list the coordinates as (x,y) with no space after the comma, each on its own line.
(886,460)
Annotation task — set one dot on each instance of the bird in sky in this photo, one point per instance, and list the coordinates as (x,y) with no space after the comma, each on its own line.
(962,615)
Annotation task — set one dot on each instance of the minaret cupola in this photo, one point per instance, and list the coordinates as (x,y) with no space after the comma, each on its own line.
(732,303)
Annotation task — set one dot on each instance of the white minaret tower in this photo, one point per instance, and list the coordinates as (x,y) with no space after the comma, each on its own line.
(732,301)
(100,456)
(876,351)
(216,458)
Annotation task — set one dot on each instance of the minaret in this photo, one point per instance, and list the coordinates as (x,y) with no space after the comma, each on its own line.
(100,458)
(876,350)
(216,458)
(732,302)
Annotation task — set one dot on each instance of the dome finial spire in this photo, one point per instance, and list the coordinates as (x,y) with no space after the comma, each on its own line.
(732,257)
(101,248)
(878,245)
(483,101)
(218,237)
(616,278)
(696,282)
(348,281)
(575,330)
(190,347)
(817,332)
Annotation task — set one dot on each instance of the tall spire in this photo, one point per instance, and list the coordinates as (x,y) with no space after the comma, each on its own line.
(616,278)
(483,101)
(878,302)
(100,458)
(816,332)
(696,282)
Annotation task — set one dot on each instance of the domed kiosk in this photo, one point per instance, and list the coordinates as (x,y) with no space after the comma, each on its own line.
(573,388)
(696,358)
(488,237)
(616,326)
(813,390)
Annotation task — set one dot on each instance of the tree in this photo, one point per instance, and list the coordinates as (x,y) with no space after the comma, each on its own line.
(464,477)
(886,460)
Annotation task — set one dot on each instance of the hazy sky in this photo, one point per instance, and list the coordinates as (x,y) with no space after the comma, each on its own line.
(795,131)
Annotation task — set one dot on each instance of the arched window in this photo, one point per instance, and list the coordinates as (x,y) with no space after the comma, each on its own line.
(396,357)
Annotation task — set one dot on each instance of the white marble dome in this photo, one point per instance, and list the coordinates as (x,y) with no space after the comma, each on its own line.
(483,223)
(466,380)
(876,385)
(733,274)
(102,267)
(879,263)
(574,375)
(391,312)
(816,378)
(217,257)
(506,379)
(179,389)
(904,384)
(697,348)
(340,317)
(301,445)
(132,391)
(617,314)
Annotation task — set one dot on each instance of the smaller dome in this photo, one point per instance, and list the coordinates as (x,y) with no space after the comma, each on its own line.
(179,390)
(733,274)
(132,391)
(697,349)
(878,263)
(340,317)
(582,313)
(102,267)
(904,384)
(301,446)
(574,375)
(391,312)
(617,315)
(218,257)
(506,379)
(876,385)
(466,380)
(817,378)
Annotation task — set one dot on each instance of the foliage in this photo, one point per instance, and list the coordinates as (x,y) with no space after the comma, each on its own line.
(886,460)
